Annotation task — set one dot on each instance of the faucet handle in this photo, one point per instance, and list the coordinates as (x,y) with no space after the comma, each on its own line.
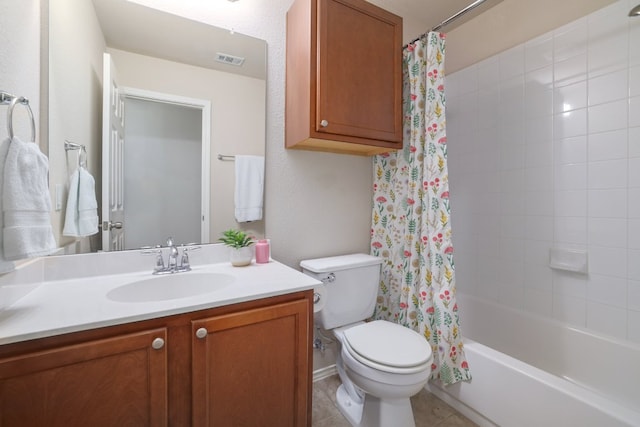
(190,246)
(159,262)
(184,261)
(157,251)
(169,241)
(147,250)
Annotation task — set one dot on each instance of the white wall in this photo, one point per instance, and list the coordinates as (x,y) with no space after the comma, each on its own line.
(508,24)
(20,62)
(544,151)
(76,45)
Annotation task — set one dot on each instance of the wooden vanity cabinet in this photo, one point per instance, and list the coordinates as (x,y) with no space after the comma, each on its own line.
(252,367)
(343,77)
(118,381)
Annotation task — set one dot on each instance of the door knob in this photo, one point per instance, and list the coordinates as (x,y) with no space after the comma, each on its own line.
(108,225)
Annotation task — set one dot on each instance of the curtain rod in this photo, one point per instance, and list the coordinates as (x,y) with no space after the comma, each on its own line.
(449,19)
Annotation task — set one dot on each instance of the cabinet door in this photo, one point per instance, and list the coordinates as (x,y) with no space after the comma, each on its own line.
(120,381)
(359,71)
(251,368)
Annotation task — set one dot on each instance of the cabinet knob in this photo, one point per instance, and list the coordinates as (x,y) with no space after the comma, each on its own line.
(324,123)
(201,333)
(157,344)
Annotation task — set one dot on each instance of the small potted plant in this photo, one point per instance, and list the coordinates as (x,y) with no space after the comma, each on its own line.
(240,244)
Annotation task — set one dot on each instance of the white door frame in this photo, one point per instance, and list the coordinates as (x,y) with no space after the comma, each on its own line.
(205,107)
(112,146)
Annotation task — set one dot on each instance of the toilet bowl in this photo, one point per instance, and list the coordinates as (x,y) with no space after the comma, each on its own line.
(387,363)
(381,364)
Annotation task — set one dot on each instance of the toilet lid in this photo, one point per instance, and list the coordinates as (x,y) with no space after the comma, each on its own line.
(388,344)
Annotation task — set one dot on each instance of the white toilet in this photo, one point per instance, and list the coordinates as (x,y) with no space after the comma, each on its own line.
(381,364)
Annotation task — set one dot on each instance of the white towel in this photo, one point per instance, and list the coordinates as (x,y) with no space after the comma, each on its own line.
(5,266)
(81,216)
(249,188)
(26,202)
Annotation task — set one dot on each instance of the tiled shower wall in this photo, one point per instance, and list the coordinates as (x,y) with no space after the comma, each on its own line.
(544,151)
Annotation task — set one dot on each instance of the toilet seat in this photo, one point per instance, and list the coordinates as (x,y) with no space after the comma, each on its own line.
(388,347)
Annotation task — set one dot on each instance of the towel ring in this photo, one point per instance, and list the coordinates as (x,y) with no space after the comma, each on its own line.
(24,101)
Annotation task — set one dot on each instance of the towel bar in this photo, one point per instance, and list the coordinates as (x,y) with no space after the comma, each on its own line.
(70,146)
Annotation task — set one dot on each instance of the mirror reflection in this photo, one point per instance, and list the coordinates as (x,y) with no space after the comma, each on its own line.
(188,92)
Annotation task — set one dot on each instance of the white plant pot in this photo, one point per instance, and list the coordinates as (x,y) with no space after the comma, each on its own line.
(241,256)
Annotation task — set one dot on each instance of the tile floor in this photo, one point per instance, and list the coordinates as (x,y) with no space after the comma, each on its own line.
(428,410)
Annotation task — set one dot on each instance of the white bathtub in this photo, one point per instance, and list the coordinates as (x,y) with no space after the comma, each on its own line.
(530,371)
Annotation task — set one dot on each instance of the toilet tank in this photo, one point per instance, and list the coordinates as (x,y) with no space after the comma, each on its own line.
(350,287)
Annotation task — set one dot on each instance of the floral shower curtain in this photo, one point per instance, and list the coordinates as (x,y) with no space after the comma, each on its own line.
(411,230)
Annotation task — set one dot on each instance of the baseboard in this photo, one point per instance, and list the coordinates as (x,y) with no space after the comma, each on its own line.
(322,373)
(459,406)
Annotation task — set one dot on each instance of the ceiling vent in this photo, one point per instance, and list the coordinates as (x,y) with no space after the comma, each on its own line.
(225,58)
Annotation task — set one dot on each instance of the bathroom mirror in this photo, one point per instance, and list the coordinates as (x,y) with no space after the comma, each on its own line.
(164,60)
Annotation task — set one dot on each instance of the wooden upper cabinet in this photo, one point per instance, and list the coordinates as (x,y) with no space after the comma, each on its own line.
(344,77)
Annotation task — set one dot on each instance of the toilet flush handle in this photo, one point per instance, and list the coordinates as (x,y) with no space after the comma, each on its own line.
(329,279)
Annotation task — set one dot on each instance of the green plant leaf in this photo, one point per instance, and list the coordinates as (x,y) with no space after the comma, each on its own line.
(236,239)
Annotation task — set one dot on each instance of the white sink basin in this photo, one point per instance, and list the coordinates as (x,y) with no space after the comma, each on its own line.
(174,286)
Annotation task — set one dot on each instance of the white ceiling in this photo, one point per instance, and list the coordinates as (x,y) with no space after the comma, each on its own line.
(419,16)
(135,26)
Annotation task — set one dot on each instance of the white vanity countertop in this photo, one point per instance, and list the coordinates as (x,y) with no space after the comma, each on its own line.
(58,307)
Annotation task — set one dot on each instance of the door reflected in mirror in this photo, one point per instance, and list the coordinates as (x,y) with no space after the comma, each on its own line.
(164,198)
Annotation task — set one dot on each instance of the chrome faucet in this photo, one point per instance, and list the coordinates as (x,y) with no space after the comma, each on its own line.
(172,265)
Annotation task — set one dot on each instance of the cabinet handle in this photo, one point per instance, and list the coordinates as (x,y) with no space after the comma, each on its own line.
(324,123)
(201,333)
(157,344)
